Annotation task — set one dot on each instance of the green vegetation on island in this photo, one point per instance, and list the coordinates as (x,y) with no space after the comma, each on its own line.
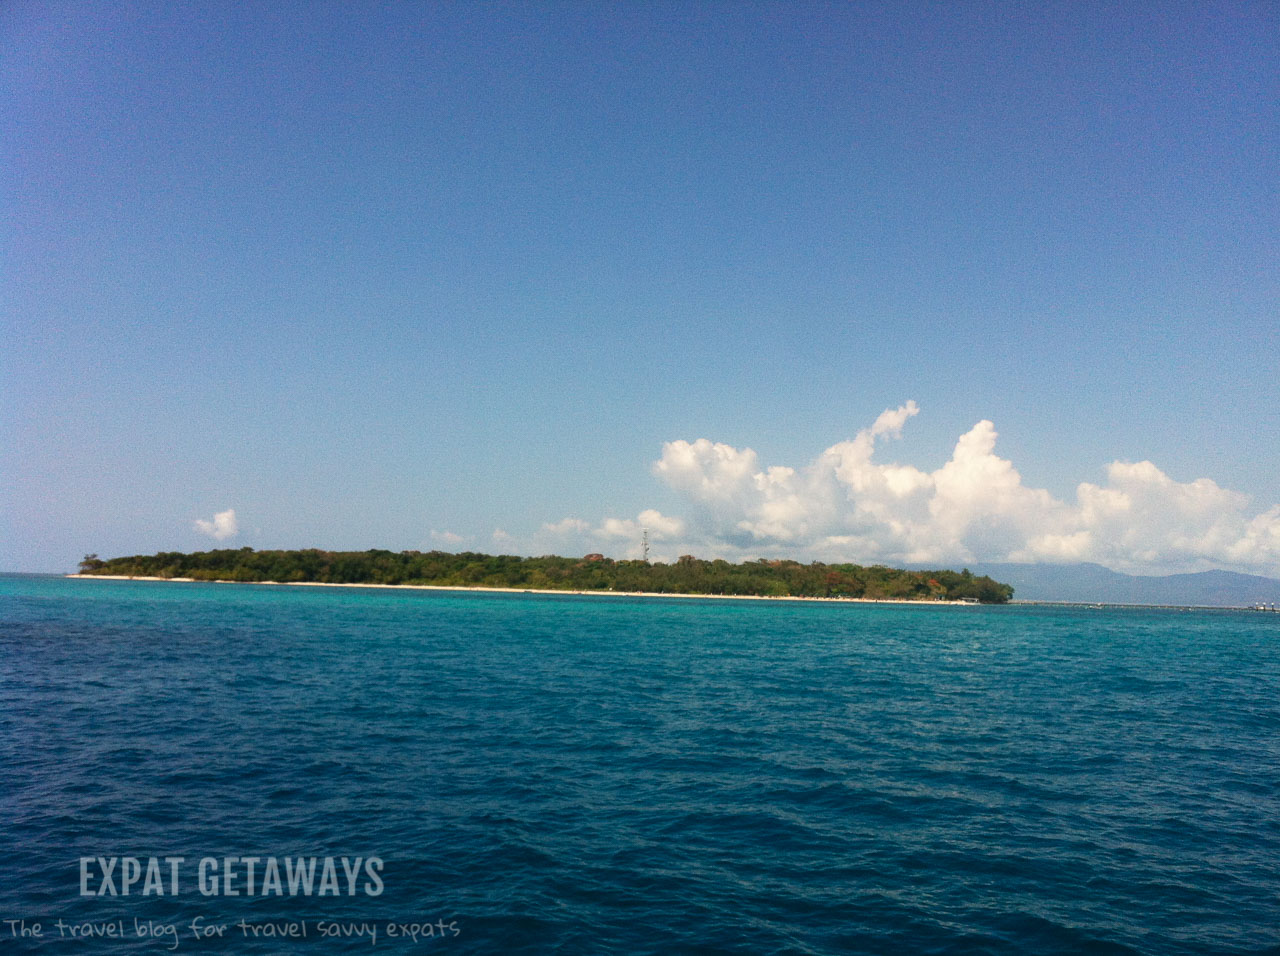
(688,575)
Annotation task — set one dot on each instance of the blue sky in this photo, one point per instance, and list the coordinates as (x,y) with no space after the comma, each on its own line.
(407,275)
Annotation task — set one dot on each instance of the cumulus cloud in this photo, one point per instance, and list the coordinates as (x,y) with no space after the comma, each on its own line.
(447,538)
(621,536)
(566,527)
(222,526)
(659,526)
(847,505)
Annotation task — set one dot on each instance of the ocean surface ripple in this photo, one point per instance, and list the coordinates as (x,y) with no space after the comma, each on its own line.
(623,775)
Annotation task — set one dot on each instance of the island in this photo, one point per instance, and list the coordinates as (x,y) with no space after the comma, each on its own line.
(594,572)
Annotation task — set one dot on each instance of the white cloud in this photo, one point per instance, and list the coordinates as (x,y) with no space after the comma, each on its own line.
(621,536)
(845,505)
(1142,515)
(659,526)
(222,526)
(447,538)
(566,527)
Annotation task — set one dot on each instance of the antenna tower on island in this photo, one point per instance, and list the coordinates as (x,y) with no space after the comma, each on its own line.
(644,544)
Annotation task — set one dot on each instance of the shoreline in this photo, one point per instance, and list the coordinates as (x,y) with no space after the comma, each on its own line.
(496,590)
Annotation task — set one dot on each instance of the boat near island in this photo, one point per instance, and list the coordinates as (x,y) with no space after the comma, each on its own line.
(1264,607)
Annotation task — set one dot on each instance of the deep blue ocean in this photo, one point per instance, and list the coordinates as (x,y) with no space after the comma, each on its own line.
(562,774)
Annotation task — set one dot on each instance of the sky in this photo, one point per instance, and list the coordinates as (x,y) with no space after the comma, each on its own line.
(874,282)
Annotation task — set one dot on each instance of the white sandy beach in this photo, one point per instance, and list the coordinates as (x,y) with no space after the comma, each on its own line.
(440,587)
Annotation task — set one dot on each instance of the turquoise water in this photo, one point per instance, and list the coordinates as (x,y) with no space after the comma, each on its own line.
(616,775)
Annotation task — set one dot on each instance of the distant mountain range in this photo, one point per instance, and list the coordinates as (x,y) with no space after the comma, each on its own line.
(1094,584)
